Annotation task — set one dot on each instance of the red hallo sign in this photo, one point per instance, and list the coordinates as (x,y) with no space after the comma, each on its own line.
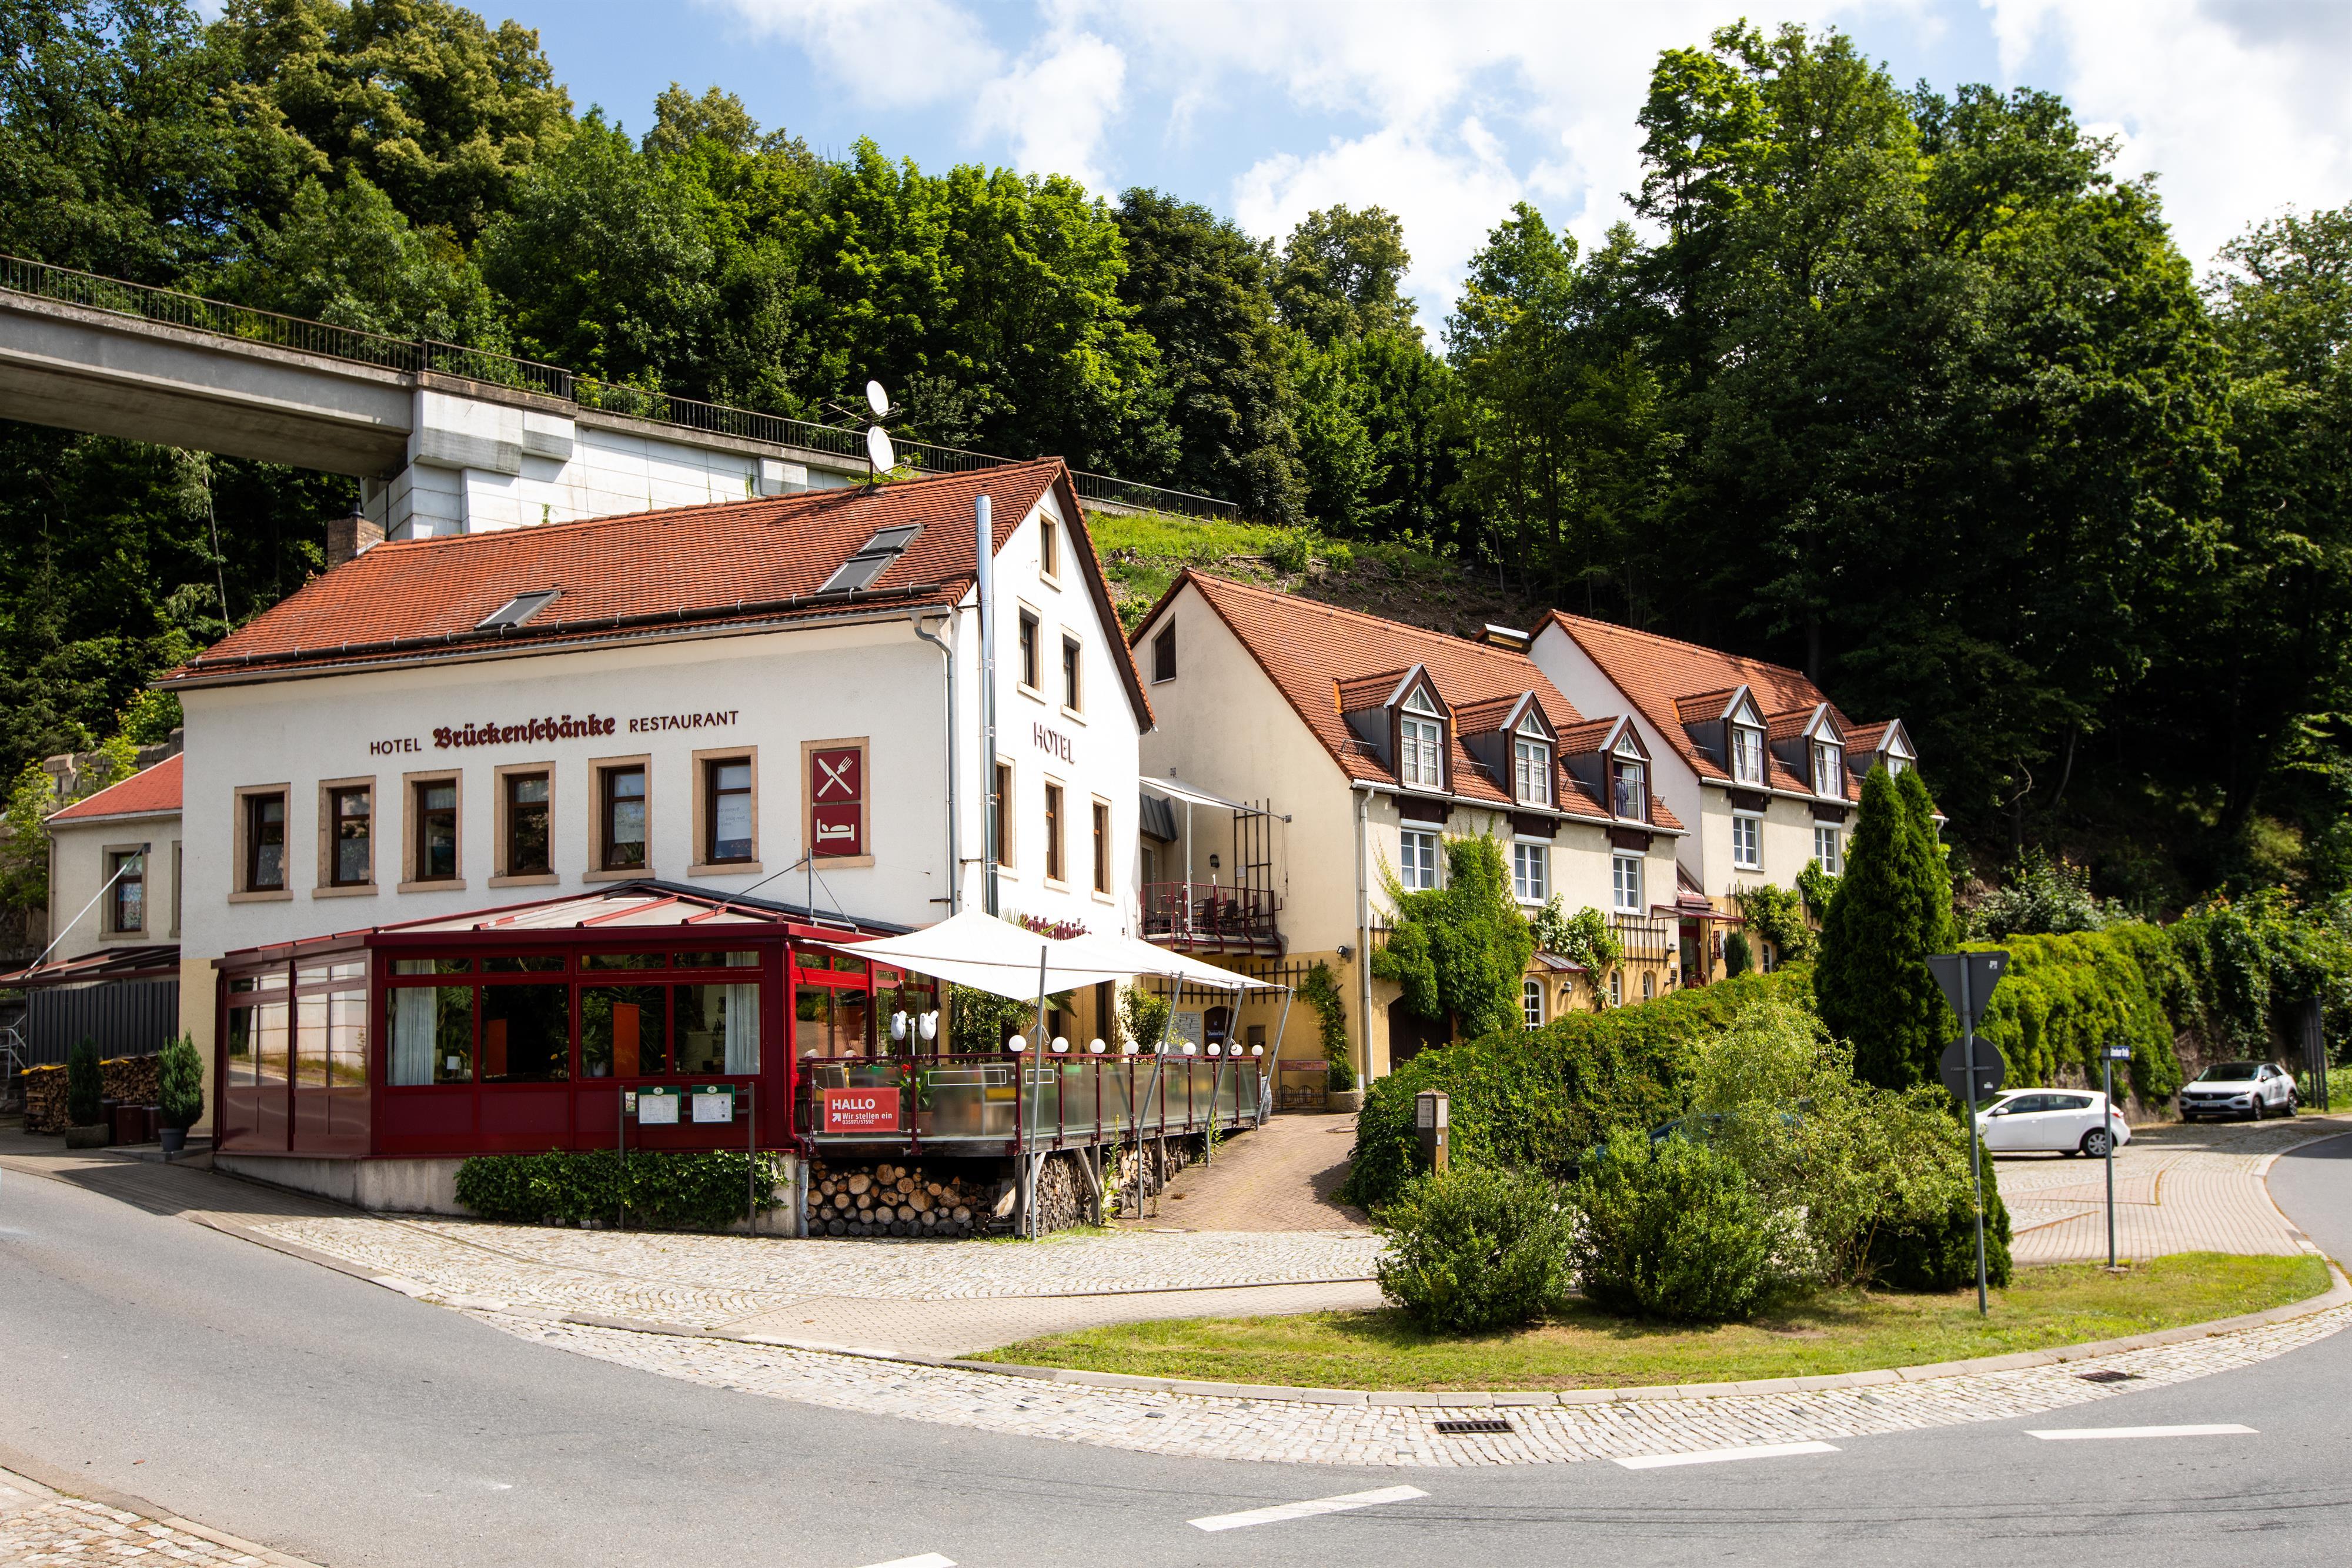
(861,1109)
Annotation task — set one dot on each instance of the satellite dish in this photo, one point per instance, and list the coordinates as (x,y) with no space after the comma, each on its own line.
(878,450)
(876,398)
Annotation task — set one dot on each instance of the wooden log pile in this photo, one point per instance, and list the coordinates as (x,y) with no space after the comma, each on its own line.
(1062,1199)
(131,1078)
(886,1200)
(1135,1175)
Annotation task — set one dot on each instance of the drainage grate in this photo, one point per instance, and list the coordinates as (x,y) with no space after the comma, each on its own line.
(2109,1376)
(1471,1428)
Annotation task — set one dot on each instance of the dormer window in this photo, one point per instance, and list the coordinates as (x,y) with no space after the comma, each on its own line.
(1421,742)
(1828,775)
(1531,764)
(1748,754)
(1629,788)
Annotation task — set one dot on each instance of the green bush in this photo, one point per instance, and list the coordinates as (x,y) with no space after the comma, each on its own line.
(1674,1230)
(85,1085)
(1477,1248)
(1937,1252)
(662,1190)
(1541,1097)
(180,1083)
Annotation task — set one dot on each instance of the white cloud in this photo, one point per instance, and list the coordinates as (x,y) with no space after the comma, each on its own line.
(2238,110)
(889,54)
(1055,107)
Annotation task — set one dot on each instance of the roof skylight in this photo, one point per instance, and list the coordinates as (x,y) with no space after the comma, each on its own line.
(873,557)
(517,610)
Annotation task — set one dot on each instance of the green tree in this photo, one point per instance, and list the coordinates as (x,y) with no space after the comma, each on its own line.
(349,256)
(1198,286)
(1458,951)
(1870,983)
(1340,274)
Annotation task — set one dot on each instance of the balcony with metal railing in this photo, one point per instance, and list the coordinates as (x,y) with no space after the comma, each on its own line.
(1056,1101)
(1205,917)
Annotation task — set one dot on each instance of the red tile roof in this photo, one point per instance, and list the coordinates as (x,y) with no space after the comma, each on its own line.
(647,573)
(1315,651)
(150,790)
(1660,674)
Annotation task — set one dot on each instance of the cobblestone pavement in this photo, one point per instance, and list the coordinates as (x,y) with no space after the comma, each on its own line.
(42,1527)
(2177,1189)
(1348,1428)
(936,1296)
(1284,1176)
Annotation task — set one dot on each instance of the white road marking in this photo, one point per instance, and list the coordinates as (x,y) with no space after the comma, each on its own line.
(928,1559)
(1306,1510)
(2076,1433)
(1719,1456)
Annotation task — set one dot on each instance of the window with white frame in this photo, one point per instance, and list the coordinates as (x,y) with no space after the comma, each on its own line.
(1632,800)
(1531,1001)
(1531,764)
(1747,840)
(1616,988)
(1746,754)
(1531,873)
(1421,739)
(1827,771)
(1419,854)
(1625,884)
(1825,850)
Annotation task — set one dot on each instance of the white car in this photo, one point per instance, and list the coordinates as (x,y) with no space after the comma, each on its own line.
(2250,1089)
(2053,1121)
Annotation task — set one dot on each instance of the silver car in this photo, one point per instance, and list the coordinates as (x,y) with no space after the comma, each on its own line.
(2252,1090)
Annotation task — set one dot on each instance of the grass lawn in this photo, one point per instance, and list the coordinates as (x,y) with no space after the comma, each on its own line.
(1845,1331)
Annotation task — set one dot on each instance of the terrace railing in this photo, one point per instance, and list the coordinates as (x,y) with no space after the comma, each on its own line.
(244,323)
(1067,1101)
(1207,914)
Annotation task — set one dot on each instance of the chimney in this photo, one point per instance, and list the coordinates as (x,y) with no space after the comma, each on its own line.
(349,537)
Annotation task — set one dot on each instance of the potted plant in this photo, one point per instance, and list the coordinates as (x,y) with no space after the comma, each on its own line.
(180,1090)
(84,1129)
(1340,1092)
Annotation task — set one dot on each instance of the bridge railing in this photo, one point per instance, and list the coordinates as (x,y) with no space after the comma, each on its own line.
(248,324)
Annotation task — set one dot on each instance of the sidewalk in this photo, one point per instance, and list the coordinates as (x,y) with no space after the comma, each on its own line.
(42,1526)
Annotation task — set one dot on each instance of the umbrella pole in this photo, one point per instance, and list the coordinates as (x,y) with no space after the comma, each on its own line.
(1029,1180)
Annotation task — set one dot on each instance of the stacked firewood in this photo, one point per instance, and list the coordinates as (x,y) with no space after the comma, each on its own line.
(887,1199)
(1137,1176)
(131,1078)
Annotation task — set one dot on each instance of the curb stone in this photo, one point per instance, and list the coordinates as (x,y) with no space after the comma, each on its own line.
(20,1470)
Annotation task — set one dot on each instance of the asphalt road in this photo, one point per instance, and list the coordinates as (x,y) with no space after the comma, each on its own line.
(343,1423)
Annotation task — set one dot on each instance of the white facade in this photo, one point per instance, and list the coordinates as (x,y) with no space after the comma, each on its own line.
(676,707)
(84,854)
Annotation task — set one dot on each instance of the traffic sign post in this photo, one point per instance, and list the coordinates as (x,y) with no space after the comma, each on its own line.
(2107,1060)
(1968,979)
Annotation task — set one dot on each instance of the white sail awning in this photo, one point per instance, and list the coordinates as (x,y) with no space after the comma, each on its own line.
(977,949)
(1144,958)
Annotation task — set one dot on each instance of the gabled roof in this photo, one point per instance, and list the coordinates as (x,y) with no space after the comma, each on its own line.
(146,793)
(1660,674)
(1382,688)
(1312,650)
(1492,716)
(1803,723)
(709,568)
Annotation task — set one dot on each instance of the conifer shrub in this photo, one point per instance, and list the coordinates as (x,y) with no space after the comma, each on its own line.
(1473,1248)
(1673,1229)
(180,1083)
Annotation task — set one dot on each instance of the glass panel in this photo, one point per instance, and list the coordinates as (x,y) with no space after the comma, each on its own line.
(269,1044)
(625,819)
(842,964)
(431,966)
(347,1040)
(712,960)
(266,835)
(432,1029)
(311,1043)
(527,824)
(718,1028)
(526,1034)
(242,1062)
(913,998)
(731,814)
(436,832)
(623,960)
(812,1021)
(353,821)
(624,1032)
(524,964)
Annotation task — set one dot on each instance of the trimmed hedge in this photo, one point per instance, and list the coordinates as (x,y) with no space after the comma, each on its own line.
(663,1191)
(1538,1099)
(2066,998)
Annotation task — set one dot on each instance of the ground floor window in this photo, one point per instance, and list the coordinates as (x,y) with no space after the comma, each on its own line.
(1825,850)
(526,1034)
(1531,873)
(1531,1001)
(1616,988)
(1625,884)
(1418,851)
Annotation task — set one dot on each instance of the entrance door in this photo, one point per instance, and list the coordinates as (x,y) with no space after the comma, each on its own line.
(1409,1032)
(1694,944)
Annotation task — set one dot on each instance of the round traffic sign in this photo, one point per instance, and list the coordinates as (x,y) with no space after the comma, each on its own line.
(1991,1070)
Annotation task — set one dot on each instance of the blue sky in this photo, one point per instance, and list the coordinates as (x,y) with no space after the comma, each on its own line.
(1446,114)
